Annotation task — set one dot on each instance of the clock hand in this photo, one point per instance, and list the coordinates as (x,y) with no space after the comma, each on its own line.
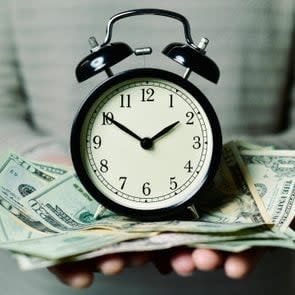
(164,131)
(122,127)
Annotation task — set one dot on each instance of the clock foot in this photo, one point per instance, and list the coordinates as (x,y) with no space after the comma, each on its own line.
(99,211)
(194,212)
(190,213)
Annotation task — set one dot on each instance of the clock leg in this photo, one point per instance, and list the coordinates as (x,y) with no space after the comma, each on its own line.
(99,211)
(193,211)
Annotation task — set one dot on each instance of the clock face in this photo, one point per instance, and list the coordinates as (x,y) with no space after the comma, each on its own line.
(146,142)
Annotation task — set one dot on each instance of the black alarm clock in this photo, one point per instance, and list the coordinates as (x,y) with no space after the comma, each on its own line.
(146,142)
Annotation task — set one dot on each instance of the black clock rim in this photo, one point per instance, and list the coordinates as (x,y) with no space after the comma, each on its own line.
(75,146)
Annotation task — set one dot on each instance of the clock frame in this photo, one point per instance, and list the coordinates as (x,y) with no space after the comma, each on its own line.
(76,148)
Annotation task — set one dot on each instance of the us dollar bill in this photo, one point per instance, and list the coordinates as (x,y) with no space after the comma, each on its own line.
(232,153)
(63,205)
(63,245)
(161,242)
(52,169)
(18,179)
(229,200)
(272,178)
(234,242)
(172,226)
(13,230)
(242,245)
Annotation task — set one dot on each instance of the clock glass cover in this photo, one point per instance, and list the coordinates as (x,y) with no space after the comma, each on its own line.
(146,140)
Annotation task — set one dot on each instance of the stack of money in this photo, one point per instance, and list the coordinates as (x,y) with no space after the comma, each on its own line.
(48,218)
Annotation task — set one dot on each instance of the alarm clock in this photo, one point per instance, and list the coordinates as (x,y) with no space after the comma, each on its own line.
(146,142)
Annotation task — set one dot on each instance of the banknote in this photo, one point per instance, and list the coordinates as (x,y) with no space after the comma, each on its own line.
(172,226)
(159,242)
(242,245)
(63,205)
(168,240)
(229,200)
(60,242)
(290,232)
(13,230)
(29,262)
(272,177)
(18,179)
(234,160)
(233,216)
(52,169)
(245,239)
(63,245)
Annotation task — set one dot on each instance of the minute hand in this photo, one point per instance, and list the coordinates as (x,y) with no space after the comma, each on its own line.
(164,131)
(125,129)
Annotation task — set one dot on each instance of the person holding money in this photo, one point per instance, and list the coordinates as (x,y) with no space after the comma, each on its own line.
(254,47)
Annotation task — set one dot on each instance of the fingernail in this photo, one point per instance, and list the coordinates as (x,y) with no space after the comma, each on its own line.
(80,281)
(234,270)
(111,267)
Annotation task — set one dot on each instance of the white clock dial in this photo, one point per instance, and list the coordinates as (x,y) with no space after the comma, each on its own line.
(168,173)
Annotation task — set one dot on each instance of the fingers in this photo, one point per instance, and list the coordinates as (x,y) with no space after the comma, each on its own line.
(73,276)
(161,260)
(207,260)
(185,261)
(236,266)
(110,264)
(138,258)
(115,264)
(80,274)
(239,265)
(182,262)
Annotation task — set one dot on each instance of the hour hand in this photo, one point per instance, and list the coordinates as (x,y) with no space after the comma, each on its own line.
(124,128)
(164,131)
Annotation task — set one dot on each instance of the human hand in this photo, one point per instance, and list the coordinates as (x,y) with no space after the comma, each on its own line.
(185,261)
(81,274)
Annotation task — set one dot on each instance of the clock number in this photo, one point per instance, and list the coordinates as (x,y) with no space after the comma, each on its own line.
(173,183)
(105,118)
(146,190)
(96,140)
(171,101)
(125,101)
(147,94)
(104,166)
(190,116)
(124,178)
(189,166)
(197,142)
